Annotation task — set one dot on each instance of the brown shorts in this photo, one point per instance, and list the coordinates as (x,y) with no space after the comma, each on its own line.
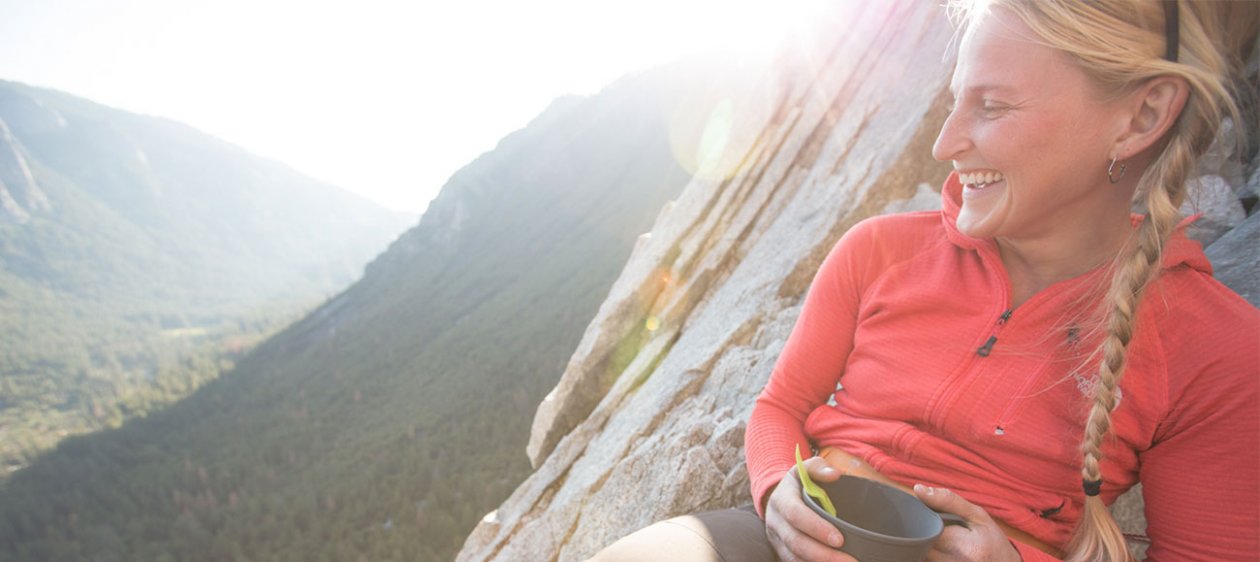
(728,535)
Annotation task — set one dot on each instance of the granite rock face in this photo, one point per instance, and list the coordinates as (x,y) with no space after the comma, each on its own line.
(648,418)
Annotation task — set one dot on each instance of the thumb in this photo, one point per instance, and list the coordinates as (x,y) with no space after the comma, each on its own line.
(946,501)
(820,471)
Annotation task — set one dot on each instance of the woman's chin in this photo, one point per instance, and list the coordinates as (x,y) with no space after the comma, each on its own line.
(982,212)
(974,225)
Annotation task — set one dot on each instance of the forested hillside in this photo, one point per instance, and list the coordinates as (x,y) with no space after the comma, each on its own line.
(139,258)
(386,423)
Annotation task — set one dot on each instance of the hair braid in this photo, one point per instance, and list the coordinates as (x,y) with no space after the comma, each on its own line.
(1098,537)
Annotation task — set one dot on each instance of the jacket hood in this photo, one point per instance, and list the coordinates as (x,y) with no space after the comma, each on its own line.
(1179,250)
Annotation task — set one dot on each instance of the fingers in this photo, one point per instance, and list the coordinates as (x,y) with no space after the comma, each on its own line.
(799,516)
(796,532)
(958,544)
(981,539)
(796,517)
(793,546)
(946,501)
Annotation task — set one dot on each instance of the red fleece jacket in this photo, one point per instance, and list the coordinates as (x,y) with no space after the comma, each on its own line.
(908,354)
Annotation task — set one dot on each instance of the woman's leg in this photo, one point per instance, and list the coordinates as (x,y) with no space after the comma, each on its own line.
(728,535)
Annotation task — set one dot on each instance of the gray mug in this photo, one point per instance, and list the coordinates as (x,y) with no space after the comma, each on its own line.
(879,522)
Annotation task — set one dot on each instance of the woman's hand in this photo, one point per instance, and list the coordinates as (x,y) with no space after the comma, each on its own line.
(980,541)
(795,531)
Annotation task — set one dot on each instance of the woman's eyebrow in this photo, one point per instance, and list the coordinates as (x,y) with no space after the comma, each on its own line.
(982,89)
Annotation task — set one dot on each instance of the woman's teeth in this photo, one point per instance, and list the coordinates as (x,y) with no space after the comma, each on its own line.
(980,179)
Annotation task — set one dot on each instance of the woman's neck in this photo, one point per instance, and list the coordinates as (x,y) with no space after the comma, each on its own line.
(1034,264)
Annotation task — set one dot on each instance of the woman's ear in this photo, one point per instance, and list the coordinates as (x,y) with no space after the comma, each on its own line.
(1153,110)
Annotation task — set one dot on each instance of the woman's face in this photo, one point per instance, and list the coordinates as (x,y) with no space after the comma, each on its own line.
(1029,136)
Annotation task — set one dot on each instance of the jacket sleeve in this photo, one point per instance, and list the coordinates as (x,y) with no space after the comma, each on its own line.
(810,365)
(1200,479)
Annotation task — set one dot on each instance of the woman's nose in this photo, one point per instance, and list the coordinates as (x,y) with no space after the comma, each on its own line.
(952,140)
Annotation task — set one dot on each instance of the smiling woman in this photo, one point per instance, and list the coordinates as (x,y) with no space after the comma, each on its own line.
(980,353)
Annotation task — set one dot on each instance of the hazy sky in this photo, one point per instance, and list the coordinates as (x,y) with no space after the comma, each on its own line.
(384,98)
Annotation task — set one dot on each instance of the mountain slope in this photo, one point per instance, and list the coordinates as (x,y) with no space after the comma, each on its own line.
(137,253)
(385,423)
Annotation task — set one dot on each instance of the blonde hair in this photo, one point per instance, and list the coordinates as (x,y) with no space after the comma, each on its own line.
(1120,44)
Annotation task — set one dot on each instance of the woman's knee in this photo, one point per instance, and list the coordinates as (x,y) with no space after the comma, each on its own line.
(730,535)
(673,539)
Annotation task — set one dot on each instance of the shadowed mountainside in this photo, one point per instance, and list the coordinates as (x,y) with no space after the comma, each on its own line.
(138,254)
(382,425)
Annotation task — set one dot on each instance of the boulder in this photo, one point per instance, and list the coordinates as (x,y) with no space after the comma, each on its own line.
(1218,207)
(1236,259)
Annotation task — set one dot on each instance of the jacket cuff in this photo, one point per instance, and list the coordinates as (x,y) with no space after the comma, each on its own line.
(761,495)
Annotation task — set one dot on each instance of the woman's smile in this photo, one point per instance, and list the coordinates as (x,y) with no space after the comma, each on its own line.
(980,179)
(978,184)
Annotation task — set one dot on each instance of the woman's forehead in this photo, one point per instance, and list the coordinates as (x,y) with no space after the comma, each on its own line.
(999,52)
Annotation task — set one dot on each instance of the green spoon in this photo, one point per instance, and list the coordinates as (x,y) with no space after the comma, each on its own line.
(810,487)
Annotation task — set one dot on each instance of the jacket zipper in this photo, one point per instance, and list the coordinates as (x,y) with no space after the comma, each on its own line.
(987,348)
(938,409)
(981,352)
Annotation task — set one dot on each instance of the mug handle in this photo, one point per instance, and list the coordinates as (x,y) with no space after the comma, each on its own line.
(952,519)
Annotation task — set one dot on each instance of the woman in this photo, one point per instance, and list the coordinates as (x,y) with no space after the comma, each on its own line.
(1032,351)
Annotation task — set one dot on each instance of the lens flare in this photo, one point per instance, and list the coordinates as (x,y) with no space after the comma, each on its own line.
(714,139)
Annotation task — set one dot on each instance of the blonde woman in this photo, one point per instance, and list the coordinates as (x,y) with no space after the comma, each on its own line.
(1032,351)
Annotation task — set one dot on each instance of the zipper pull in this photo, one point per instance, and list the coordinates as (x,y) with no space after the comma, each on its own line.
(984,350)
(1048,513)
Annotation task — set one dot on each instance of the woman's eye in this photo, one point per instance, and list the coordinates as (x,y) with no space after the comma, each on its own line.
(993,108)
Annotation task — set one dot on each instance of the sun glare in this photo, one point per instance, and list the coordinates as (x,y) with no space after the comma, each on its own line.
(758,26)
(384,98)
(711,132)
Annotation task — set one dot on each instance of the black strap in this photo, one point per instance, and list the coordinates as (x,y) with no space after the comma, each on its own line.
(1172,30)
(1092,487)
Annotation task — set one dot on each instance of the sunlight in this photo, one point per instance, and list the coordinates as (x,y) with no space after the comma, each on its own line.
(711,132)
(384,98)
(758,26)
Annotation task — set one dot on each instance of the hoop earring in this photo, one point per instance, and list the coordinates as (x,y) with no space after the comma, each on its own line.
(1115,179)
